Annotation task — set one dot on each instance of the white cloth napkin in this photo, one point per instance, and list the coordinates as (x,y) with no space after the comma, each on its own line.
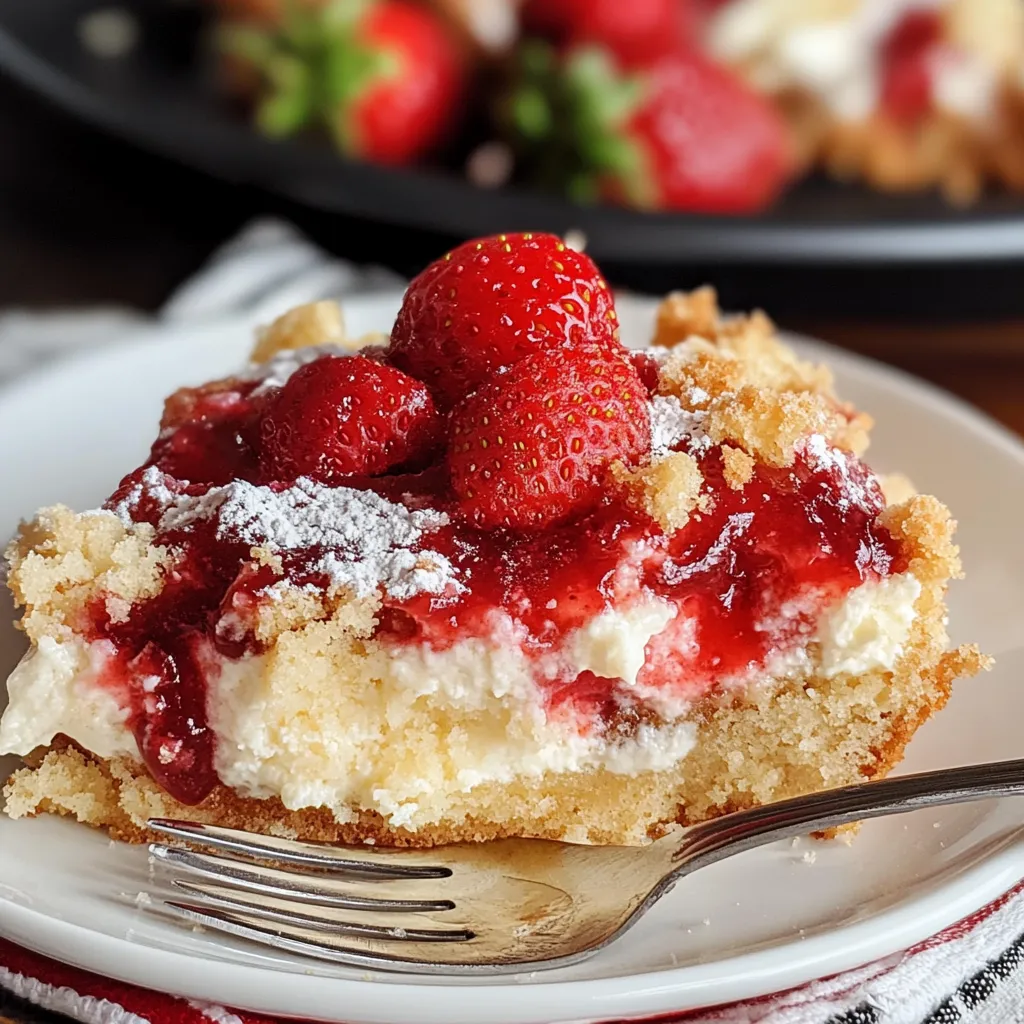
(972,974)
(265,270)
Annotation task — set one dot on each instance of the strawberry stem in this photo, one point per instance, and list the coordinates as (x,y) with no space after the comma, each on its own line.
(313,67)
(568,120)
(289,104)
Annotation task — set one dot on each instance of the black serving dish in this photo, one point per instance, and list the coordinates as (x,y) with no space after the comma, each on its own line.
(822,249)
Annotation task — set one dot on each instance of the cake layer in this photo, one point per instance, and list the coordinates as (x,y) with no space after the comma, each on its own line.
(406,731)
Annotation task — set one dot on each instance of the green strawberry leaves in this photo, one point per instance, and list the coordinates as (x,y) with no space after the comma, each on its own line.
(567,118)
(313,67)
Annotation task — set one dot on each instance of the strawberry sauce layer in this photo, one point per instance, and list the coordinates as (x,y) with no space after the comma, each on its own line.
(800,537)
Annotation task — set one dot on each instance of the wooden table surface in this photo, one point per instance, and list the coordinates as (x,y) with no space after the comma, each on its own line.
(85,220)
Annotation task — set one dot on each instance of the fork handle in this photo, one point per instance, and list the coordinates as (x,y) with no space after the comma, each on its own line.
(722,837)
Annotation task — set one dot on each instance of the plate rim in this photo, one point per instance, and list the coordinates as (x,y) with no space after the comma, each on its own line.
(620,996)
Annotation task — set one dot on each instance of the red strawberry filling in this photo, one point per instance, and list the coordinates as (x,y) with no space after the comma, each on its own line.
(209,436)
(906,60)
(792,536)
(797,538)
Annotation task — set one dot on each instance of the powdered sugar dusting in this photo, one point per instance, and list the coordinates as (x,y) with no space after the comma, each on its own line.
(276,370)
(671,424)
(417,400)
(857,485)
(822,455)
(152,487)
(361,541)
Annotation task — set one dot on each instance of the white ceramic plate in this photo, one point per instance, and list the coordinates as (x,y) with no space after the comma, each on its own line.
(759,923)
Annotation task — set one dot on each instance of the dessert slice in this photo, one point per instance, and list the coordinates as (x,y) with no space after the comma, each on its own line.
(501,577)
(903,95)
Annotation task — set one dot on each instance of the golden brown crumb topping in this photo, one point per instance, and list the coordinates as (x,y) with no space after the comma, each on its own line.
(737,467)
(683,314)
(925,528)
(755,392)
(292,608)
(668,490)
(316,323)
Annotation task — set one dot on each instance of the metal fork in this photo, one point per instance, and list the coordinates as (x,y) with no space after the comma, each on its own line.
(501,907)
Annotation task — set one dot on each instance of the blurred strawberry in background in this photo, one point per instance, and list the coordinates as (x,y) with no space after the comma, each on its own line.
(602,100)
(636,32)
(906,58)
(676,133)
(386,79)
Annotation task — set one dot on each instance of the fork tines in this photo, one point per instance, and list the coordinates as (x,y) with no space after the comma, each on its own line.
(341,904)
(276,850)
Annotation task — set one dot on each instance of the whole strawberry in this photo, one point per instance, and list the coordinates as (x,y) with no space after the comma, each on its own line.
(682,133)
(530,448)
(491,302)
(636,32)
(385,77)
(342,416)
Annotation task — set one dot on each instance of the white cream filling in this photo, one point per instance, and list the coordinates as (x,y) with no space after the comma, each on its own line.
(55,689)
(403,728)
(409,725)
(963,85)
(868,630)
(612,645)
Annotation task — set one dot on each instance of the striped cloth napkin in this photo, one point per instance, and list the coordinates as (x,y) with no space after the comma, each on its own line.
(972,973)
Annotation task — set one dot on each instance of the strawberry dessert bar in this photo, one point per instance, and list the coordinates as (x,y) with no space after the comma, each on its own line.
(903,94)
(495,576)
